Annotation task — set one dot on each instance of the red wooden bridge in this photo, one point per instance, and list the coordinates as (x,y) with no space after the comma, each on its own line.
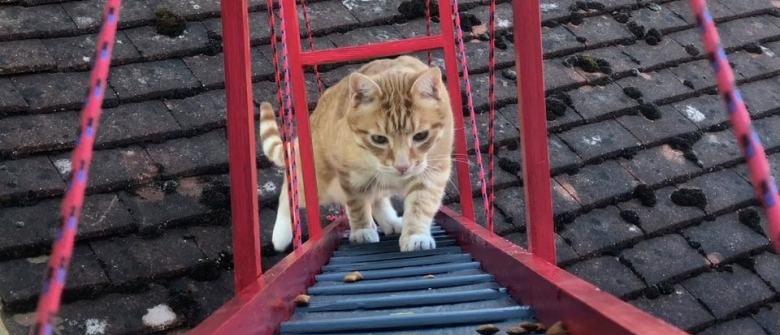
(473,278)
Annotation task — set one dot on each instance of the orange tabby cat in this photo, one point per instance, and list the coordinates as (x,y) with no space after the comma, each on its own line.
(386,130)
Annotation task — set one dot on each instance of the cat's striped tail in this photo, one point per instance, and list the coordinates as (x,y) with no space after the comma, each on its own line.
(269,135)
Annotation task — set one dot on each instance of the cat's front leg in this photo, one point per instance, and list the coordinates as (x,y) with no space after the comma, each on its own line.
(361,224)
(283,234)
(386,216)
(422,202)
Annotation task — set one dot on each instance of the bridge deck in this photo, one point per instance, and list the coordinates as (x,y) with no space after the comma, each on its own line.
(440,291)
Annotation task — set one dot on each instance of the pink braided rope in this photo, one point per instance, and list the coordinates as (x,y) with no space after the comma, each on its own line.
(288,138)
(280,100)
(749,143)
(428,27)
(275,51)
(472,115)
(65,234)
(491,107)
(311,43)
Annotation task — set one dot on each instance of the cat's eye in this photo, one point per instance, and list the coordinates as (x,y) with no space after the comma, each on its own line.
(378,139)
(421,136)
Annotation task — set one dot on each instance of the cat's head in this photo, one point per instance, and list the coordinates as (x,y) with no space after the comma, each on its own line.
(398,119)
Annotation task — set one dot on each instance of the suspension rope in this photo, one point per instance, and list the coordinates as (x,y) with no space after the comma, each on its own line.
(309,35)
(275,51)
(341,211)
(428,27)
(472,115)
(65,234)
(286,138)
(491,107)
(760,176)
(311,43)
(290,162)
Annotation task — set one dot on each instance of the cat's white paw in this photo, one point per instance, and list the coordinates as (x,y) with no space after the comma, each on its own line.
(417,242)
(366,235)
(282,236)
(393,226)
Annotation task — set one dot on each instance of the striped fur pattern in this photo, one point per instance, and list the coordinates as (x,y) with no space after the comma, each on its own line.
(386,130)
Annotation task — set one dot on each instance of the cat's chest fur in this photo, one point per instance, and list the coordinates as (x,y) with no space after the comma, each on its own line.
(372,186)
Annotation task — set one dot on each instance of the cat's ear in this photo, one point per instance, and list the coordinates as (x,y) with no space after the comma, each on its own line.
(362,89)
(428,84)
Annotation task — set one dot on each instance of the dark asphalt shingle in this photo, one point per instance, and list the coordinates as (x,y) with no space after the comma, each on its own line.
(679,308)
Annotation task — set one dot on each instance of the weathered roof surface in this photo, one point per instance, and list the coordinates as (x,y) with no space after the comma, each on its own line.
(650,191)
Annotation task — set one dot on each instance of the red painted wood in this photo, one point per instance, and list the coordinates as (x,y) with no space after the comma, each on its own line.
(554,294)
(453,85)
(533,128)
(261,307)
(241,144)
(300,105)
(372,50)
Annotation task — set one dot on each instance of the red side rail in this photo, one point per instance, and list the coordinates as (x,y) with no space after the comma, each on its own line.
(241,144)
(533,128)
(554,294)
(268,301)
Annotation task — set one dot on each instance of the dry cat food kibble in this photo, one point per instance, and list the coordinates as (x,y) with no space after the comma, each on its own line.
(487,329)
(302,300)
(353,277)
(517,330)
(557,329)
(429,276)
(526,328)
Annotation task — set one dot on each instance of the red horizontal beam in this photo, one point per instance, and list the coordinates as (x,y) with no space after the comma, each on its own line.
(262,306)
(372,50)
(554,294)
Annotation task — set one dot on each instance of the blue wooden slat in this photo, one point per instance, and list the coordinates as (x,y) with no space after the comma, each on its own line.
(397,255)
(385,249)
(393,280)
(406,300)
(406,320)
(401,285)
(400,272)
(327,299)
(376,265)
(438,330)
(501,302)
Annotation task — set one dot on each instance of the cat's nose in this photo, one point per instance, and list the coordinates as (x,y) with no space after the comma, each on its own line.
(402,168)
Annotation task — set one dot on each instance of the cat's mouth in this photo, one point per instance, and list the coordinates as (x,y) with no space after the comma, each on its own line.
(406,175)
(411,172)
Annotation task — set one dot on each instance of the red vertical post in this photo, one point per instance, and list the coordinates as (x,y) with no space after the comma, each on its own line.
(526,17)
(453,85)
(241,143)
(300,105)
